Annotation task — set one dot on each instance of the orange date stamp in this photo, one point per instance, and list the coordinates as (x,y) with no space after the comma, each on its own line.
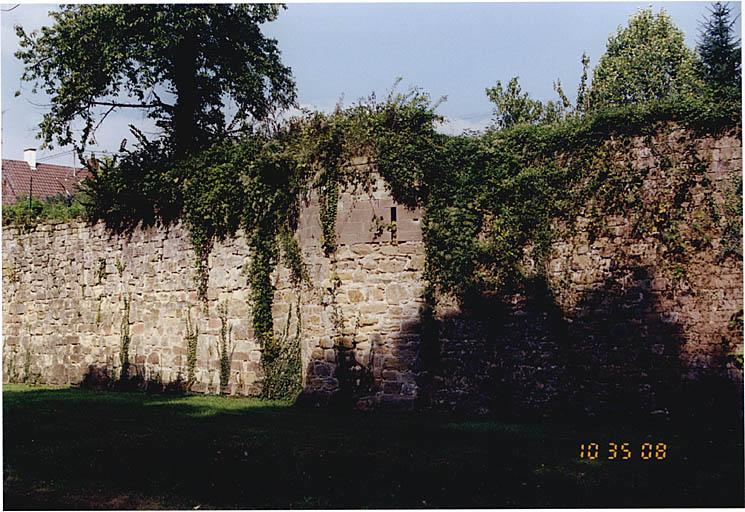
(623,451)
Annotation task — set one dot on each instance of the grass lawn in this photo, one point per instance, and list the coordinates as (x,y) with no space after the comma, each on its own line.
(69,448)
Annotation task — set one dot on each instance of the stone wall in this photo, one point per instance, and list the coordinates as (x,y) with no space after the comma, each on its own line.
(612,326)
(620,323)
(360,320)
(67,288)
(64,291)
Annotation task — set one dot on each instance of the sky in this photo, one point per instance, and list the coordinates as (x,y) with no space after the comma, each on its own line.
(347,51)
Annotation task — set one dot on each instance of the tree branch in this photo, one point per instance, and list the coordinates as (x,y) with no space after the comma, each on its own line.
(130,105)
(93,132)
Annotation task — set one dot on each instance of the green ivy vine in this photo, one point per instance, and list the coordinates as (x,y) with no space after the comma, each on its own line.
(192,340)
(125,338)
(328,202)
(225,347)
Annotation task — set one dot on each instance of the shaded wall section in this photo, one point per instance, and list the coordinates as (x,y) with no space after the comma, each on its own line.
(626,317)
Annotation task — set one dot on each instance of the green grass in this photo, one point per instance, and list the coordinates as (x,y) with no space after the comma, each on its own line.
(68,448)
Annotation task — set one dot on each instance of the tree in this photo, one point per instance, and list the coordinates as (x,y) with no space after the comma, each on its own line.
(513,107)
(583,97)
(646,61)
(178,62)
(719,52)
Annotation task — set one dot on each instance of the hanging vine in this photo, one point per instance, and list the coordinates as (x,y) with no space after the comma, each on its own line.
(192,340)
(225,347)
(125,339)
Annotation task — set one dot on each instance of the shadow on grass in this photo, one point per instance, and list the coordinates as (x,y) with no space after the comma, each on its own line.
(71,448)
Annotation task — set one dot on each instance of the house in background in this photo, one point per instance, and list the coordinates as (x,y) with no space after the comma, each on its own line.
(24,178)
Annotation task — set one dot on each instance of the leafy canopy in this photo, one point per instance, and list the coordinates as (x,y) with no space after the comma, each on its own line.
(180,63)
(512,106)
(645,61)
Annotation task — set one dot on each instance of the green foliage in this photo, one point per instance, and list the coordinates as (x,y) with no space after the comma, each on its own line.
(120,267)
(192,340)
(400,134)
(13,371)
(645,61)
(489,201)
(251,183)
(94,55)
(27,366)
(512,106)
(133,188)
(321,149)
(281,362)
(101,271)
(731,215)
(125,339)
(328,203)
(292,257)
(734,340)
(720,53)
(262,289)
(583,96)
(27,214)
(10,272)
(225,346)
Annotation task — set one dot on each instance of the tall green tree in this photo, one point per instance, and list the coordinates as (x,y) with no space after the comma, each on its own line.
(720,52)
(645,61)
(180,63)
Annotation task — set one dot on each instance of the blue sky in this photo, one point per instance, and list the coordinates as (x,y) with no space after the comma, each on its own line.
(351,50)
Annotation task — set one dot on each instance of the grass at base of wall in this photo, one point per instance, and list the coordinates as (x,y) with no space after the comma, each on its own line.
(70,448)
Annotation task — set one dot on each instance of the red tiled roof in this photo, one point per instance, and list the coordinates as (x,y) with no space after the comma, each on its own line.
(48,180)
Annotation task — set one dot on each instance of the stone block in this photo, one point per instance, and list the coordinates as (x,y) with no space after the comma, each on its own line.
(374,308)
(346,341)
(395,293)
(355,295)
